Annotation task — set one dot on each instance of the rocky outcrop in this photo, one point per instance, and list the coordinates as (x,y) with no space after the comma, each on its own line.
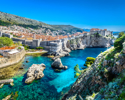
(94,40)
(73,47)
(7,81)
(57,64)
(90,40)
(80,45)
(123,47)
(35,72)
(103,80)
(63,47)
(7,98)
(62,54)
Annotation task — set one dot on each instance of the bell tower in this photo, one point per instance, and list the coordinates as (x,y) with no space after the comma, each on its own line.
(34,36)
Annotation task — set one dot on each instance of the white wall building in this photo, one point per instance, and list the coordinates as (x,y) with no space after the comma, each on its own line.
(104,32)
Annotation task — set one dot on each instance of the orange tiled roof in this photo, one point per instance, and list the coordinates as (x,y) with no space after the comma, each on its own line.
(7,48)
(29,36)
(95,29)
(105,29)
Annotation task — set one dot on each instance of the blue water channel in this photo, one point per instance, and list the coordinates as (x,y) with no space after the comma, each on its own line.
(53,85)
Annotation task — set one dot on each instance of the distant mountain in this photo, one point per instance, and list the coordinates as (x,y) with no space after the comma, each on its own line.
(9,19)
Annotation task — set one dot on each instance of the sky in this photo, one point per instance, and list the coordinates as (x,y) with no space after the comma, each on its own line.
(109,14)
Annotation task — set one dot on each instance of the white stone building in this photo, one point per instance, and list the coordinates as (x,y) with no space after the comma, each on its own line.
(104,32)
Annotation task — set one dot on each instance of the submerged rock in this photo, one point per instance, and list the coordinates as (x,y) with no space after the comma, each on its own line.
(65,67)
(1,85)
(11,84)
(35,72)
(62,54)
(27,61)
(57,70)
(7,98)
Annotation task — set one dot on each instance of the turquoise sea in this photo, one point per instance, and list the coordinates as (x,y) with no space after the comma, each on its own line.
(53,85)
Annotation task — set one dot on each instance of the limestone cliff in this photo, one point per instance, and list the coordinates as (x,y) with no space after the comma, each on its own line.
(104,80)
(62,47)
(91,40)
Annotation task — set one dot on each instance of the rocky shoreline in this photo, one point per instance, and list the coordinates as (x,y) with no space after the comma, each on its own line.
(87,41)
(6,81)
(103,80)
(63,48)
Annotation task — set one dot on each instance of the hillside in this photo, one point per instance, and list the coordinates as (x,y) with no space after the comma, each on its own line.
(104,79)
(9,19)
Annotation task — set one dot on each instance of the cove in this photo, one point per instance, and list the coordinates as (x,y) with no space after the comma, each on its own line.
(53,85)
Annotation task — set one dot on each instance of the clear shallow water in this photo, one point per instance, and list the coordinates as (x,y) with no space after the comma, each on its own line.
(53,85)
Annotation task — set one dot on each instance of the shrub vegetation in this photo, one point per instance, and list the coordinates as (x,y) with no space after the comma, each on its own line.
(39,48)
(118,42)
(77,71)
(121,34)
(89,61)
(26,47)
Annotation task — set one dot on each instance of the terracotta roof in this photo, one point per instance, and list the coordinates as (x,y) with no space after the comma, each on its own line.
(7,48)
(95,29)
(105,29)
(30,36)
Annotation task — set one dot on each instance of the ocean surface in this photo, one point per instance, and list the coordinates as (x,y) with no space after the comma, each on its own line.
(54,84)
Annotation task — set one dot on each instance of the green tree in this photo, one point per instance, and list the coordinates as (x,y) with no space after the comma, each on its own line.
(118,42)
(26,47)
(5,41)
(121,34)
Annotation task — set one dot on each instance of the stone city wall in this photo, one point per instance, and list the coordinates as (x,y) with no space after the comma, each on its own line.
(12,59)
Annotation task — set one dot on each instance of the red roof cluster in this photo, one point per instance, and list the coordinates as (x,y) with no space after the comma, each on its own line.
(97,29)
(30,36)
(7,48)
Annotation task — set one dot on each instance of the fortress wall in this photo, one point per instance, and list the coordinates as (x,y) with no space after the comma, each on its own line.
(13,59)
(20,40)
(104,33)
(0,34)
(29,43)
(108,33)
(7,35)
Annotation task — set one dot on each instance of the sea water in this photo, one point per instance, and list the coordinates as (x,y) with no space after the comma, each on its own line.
(54,84)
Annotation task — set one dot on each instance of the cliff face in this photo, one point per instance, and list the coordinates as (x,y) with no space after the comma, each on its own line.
(91,40)
(87,40)
(103,80)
